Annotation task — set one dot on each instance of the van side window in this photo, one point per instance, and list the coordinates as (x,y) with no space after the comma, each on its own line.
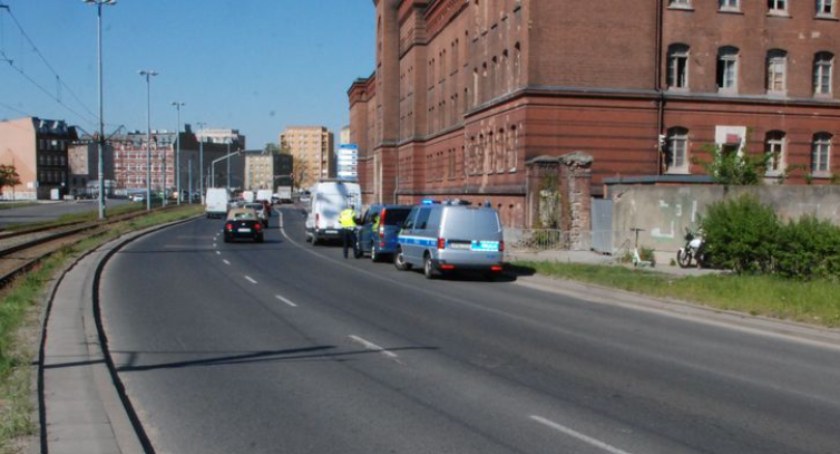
(409,221)
(422,219)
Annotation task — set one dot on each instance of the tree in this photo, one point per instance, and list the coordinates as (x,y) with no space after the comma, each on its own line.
(735,168)
(271,148)
(8,176)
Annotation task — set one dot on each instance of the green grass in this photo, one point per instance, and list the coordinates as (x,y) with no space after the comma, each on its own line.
(813,302)
(20,308)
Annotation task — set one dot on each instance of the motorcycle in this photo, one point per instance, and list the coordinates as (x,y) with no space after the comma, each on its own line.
(694,249)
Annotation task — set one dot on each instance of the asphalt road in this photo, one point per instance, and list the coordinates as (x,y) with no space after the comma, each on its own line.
(286,347)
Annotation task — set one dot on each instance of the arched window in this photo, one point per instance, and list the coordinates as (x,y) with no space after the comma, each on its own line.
(774,148)
(823,62)
(821,153)
(677,152)
(727,69)
(678,66)
(776,71)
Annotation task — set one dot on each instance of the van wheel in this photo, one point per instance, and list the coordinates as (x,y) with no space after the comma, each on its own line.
(429,268)
(399,261)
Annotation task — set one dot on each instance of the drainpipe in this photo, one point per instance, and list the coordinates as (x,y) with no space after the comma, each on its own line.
(657,84)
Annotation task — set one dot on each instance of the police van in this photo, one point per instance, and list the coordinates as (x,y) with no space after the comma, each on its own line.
(451,236)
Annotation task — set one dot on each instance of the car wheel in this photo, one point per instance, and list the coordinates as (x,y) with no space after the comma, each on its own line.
(260,239)
(399,261)
(429,268)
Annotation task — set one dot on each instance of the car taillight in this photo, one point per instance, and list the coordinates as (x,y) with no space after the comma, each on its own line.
(501,246)
(496,268)
(441,243)
(229,226)
(258,226)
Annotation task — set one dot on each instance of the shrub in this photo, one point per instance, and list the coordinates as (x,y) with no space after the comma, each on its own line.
(741,234)
(808,248)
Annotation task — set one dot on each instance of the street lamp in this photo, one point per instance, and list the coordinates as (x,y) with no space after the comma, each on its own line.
(201,181)
(178,106)
(148,75)
(101,141)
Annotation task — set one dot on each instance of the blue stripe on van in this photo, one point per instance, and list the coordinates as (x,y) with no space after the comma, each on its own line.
(417,241)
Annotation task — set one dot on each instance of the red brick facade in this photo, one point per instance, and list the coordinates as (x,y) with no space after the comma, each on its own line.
(464,93)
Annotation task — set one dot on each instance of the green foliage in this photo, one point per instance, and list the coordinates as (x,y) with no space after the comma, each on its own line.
(807,249)
(741,234)
(8,176)
(731,168)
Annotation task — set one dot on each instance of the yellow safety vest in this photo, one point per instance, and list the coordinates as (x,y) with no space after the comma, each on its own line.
(345,219)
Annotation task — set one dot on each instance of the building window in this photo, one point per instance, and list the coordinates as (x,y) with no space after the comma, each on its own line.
(825,8)
(777,7)
(822,73)
(821,153)
(774,148)
(729,5)
(727,69)
(686,4)
(776,71)
(677,152)
(678,66)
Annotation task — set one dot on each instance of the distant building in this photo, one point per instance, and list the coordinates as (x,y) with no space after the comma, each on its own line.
(83,158)
(263,170)
(312,150)
(37,148)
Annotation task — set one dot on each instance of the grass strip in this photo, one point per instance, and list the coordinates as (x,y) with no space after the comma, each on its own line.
(20,310)
(814,302)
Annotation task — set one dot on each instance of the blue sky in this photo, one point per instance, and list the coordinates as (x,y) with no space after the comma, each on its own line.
(257,65)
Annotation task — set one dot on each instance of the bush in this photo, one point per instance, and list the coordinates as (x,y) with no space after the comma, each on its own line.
(741,235)
(808,249)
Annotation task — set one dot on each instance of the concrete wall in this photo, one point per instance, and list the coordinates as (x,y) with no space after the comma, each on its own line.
(665,211)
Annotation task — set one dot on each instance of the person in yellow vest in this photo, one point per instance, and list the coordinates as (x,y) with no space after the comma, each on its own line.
(347,221)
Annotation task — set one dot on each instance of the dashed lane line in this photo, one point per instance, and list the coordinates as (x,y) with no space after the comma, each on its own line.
(575,434)
(371,346)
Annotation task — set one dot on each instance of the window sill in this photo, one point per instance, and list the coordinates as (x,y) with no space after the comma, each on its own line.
(677,172)
(821,175)
(730,10)
(782,14)
(681,7)
(679,90)
(828,17)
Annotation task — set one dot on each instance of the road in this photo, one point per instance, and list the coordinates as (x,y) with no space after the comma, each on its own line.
(286,347)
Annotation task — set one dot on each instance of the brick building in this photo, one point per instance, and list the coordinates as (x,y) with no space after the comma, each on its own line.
(312,148)
(467,95)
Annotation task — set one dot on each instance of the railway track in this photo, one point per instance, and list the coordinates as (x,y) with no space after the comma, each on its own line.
(20,251)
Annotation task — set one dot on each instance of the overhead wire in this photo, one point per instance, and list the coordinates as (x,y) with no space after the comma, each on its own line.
(60,83)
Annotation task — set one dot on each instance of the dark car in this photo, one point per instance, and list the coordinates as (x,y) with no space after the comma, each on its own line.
(243,223)
(379,238)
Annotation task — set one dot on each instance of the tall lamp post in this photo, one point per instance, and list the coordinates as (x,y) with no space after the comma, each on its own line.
(101,141)
(201,160)
(148,75)
(178,106)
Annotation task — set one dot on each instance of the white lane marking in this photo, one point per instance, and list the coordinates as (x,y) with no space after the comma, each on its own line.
(371,346)
(250,279)
(218,252)
(285,301)
(592,441)
(226,262)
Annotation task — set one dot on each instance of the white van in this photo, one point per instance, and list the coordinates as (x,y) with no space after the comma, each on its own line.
(216,202)
(328,199)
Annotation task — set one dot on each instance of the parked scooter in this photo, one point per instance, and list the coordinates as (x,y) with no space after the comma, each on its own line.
(694,249)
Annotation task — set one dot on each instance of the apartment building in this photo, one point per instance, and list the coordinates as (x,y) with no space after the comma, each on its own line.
(312,150)
(264,170)
(466,95)
(37,148)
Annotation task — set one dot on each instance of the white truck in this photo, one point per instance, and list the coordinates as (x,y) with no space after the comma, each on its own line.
(216,202)
(328,199)
(284,194)
(263,195)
